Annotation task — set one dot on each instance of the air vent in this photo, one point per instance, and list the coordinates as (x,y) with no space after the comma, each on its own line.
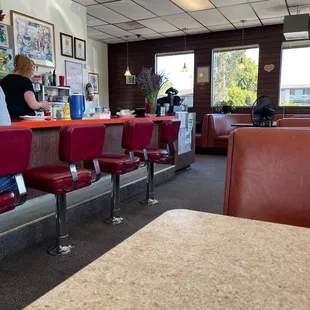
(130,25)
(296,27)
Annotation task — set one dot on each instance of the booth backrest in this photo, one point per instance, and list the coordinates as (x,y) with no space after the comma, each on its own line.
(267,175)
(294,122)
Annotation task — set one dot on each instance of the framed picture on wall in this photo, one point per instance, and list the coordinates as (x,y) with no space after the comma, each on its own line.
(34,38)
(4,36)
(6,62)
(79,49)
(203,75)
(131,80)
(94,79)
(66,45)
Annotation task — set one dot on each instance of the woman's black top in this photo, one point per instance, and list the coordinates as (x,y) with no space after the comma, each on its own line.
(14,87)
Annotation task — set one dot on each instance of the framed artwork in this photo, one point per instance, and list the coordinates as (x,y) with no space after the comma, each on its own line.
(79,49)
(131,80)
(34,38)
(66,45)
(203,75)
(94,79)
(4,37)
(74,76)
(6,62)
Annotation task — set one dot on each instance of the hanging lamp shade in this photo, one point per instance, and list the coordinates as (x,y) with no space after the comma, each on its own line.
(127,72)
(241,64)
(184,68)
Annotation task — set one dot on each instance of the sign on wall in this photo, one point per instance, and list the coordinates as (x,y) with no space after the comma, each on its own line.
(74,76)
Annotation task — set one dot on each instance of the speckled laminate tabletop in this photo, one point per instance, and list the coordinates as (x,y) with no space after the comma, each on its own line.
(192,260)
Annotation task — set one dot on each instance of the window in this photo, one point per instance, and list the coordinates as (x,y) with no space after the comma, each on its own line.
(173,64)
(295,77)
(234,76)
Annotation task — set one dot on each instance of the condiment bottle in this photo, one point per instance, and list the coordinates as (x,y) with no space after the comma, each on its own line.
(66,111)
(54,78)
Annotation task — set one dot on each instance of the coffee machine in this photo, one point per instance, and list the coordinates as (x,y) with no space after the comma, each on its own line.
(172,99)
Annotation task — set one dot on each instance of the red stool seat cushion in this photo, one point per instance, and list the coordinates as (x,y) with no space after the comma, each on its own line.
(7,200)
(56,179)
(114,164)
(154,155)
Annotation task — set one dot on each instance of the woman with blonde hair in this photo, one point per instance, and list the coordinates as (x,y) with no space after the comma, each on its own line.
(18,89)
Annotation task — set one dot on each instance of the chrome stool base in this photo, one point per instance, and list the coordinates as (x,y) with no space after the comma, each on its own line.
(149,202)
(114,220)
(60,250)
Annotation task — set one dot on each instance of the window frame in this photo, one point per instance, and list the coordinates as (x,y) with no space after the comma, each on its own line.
(289,45)
(227,49)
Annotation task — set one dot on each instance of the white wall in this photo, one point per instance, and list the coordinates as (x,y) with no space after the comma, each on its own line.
(70,18)
(97,59)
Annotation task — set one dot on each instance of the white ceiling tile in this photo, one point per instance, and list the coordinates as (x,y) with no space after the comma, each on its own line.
(221,27)
(210,17)
(101,36)
(158,24)
(174,34)
(238,12)
(248,24)
(298,2)
(130,9)
(143,31)
(86,2)
(272,21)
(197,31)
(221,3)
(302,9)
(160,7)
(194,5)
(182,21)
(106,14)
(114,31)
(93,32)
(270,9)
(92,21)
(153,36)
(133,38)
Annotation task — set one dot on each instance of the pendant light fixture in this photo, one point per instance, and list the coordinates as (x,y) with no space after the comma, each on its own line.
(127,72)
(184,66)
(241,64)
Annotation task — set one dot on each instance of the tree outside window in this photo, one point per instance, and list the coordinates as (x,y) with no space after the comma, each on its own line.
(235,75)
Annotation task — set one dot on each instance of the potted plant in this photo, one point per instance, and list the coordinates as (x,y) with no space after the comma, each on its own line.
(150,84)
(225,106)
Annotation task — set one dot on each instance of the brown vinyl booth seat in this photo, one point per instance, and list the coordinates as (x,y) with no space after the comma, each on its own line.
(294,122)
(267,175)
(220,127)
(15,149)
(201,138)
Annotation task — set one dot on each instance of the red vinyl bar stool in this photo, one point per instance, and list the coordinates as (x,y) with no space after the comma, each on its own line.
(168,136)
(76,143)
(15,148)
(136,134)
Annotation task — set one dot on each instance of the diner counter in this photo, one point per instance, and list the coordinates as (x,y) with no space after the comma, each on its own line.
(59,123)
(194,260)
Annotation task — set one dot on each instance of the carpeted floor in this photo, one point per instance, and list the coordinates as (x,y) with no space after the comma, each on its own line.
(30,274)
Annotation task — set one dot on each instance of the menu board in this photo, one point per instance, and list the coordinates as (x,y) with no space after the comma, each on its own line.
(74,76)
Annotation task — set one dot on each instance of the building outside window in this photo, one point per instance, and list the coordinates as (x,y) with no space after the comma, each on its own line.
(235,75)
(172,65)
(295,76)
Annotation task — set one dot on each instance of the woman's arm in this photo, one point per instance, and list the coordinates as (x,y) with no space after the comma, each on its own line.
(33,103)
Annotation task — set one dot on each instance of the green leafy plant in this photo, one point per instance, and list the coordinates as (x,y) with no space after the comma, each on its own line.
(225,103)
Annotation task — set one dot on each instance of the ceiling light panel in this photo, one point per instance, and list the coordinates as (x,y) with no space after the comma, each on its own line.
(113,30)
(158,24)
(270,9)
(210,17)
(130,9)
(194,5)
(238,12)
(106,14)
(160,7)
(182,21)
(221,3)
(92,21)
(130,25)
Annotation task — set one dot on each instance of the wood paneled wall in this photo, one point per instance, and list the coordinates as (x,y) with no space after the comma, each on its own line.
(142,54)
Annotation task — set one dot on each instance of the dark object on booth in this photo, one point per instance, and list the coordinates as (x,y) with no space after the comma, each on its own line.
(171,98)
(227,109)
(140,112)
(263,112)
